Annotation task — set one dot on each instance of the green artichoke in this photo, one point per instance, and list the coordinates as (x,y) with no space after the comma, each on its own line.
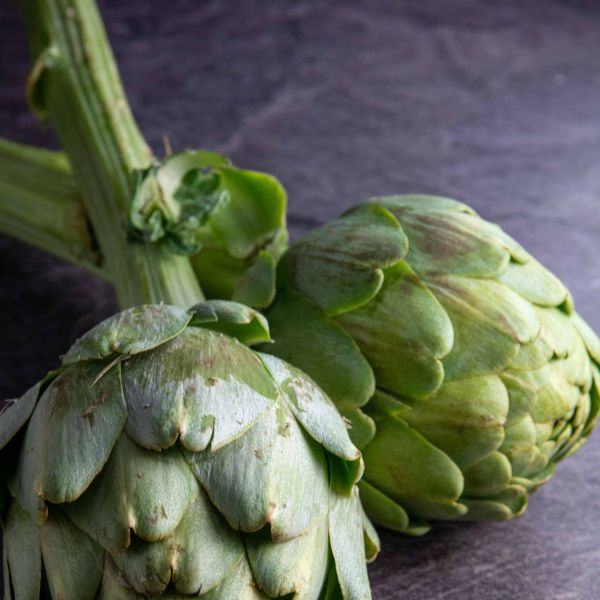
(457,358)
(166,459)
(230,221)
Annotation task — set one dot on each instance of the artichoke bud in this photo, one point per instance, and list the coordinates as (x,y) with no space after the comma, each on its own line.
(457,358)
(230,221)
(165,458)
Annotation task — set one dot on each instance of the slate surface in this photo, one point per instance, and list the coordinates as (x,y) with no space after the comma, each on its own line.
(496,103)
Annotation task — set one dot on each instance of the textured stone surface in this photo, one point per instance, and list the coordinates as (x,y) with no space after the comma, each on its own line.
(495,103)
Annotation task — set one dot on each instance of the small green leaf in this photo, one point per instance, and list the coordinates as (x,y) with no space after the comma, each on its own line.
(256,286)
(490,476)
(237,320)
(465,418)
(452,242)
(535,283)
(239,584)
(129,332)
(509,504)
(382,509)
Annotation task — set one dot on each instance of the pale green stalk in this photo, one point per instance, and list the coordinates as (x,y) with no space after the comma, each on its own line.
(40,204)
(75,84)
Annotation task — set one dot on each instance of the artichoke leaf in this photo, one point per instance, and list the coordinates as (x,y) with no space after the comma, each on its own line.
(383,510)
(15,413)
(403,333)
(557,330)
(511,503)
(531,356)
(535,283)
(591,340)
(370,537)
(347,545)
(200,387)
(275,473)
(196,557)
(138,489)
(114,585)
(239,584)
(557,397)
(254,211)
(465,419)
(297,565)
(304,336)
(339,266)
(236,320)
(576,368)
(398,204)
(70,435)
(522,395)
(454,243)
(410,470)
(313,409)
(483,310)
(489,477)
(256,286)
(22,546)
(129,332)
(361,427)
(73,562)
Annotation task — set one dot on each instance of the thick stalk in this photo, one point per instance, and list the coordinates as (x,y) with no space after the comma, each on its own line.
(76,83)
(41,205)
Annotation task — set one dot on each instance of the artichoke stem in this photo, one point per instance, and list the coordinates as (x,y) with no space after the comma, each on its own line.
(40,204)
(75,83)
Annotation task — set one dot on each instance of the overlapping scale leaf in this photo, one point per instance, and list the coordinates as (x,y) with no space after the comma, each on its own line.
(340,266)
(139,490)
(406,467)
(129,332)
(251,479)
(404,333)
(483,310)
(450,241)
(200,387)
(296,566)
(70,435)
(197,557)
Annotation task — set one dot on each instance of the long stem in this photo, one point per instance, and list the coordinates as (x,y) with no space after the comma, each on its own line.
(75,81)
(41,205)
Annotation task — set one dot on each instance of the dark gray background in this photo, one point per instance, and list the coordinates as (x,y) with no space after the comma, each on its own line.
(495,103)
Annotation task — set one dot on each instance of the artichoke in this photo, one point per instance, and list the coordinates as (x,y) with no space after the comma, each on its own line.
(457,358)
(166,459)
